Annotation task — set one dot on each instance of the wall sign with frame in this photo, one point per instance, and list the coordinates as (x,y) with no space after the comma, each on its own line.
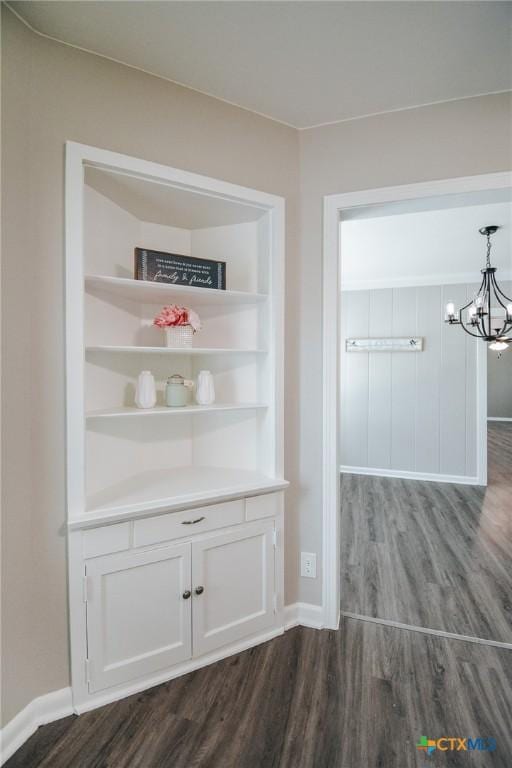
(176,269)
(405,344)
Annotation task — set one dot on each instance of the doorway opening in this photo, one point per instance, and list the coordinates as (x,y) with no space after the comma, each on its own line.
(407,415)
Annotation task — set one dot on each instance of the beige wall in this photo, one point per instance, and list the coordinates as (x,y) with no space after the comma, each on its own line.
(18,577)
(453,139)
(53,93)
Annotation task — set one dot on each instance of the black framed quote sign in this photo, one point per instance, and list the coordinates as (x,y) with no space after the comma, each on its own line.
(176,269)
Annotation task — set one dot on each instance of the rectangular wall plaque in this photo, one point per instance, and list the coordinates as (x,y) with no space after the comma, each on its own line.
(175,269)
(405,344)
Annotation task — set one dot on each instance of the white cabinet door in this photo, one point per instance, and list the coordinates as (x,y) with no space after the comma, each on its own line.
(234,576)
(138,614)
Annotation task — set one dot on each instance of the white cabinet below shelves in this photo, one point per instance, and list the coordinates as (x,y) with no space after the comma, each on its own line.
(137,619)
(236,570)
(150,610)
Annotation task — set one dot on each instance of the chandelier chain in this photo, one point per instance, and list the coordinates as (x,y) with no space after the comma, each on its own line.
(489,246)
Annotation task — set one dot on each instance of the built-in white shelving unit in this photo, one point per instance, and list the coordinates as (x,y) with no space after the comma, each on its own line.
(239,341)
(175,515)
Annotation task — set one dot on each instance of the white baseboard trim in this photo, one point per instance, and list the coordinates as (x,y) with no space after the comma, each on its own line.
(99,699)
(303,615)
(499,418)
(426,630)
(58,704)
(405,475)
(44,709)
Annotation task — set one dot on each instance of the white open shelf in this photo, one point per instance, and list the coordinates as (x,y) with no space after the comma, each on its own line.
(173,411)
(173,351)
(125,460)
(150,292)
(176,488)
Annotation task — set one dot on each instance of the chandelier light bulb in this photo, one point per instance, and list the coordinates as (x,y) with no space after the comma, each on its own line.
(509,311)
(450,310)
(498,346)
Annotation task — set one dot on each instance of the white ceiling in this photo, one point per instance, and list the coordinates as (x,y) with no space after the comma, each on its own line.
(303,63)
(433,247)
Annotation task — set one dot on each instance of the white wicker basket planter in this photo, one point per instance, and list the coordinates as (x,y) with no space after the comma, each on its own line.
(179,336)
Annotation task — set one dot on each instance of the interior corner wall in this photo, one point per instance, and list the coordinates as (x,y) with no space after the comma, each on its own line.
(53,93)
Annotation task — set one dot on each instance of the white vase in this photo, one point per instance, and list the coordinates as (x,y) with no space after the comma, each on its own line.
(145,395)
(178,336)
(205,391)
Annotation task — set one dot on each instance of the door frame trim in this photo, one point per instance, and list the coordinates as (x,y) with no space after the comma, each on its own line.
(333,206)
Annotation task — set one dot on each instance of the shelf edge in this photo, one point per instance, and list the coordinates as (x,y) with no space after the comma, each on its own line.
(161,506)
(173,411)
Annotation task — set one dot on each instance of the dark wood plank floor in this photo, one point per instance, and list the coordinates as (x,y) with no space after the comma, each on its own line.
(360,697)
(432,555)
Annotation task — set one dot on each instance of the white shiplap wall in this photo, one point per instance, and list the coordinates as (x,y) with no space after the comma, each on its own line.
(408,412)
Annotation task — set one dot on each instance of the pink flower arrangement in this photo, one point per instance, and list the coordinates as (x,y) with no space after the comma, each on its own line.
(174,315)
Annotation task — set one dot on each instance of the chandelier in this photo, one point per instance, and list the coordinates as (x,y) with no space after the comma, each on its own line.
(479,320)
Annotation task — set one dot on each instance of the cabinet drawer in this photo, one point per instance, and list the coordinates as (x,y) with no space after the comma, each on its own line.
(258,507)
(107,539)
(177,524)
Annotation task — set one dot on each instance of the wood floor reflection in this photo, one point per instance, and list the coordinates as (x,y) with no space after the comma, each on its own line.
(433,555)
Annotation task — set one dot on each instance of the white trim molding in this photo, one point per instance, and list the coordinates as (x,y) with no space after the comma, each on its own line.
(118,692)
(417,281)
(406,475)
(333,207)
(303,615)
(426,630)
(44,709)
(330,447)
(499,418)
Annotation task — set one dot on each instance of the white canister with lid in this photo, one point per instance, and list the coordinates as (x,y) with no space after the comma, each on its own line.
(176,391)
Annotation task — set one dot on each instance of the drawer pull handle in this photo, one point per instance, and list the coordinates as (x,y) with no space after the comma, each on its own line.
(192,522)
(187,594)
(199,590)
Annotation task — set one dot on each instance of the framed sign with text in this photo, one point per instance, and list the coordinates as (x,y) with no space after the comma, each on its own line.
(176,269)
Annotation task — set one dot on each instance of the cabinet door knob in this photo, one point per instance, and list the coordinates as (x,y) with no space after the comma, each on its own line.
(199,590)
(187,594)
